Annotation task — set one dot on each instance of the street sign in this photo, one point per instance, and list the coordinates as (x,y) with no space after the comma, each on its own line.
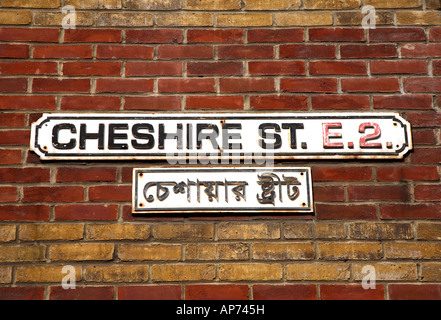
(222,189)
(235,135)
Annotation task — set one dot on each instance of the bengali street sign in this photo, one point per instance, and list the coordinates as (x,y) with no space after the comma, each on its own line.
(235,135)
(220,189)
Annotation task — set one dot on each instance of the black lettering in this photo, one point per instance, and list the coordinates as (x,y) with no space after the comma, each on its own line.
(262,133)
(56,133)
(226,136)
(113,136)
(164,136)
(212,136)
(84,135)
(143,136)
(293,127)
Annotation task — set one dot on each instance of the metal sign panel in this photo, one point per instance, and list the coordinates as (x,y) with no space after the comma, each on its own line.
(220,189)
(237,136)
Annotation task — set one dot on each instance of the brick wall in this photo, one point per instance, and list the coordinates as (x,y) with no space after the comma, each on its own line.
(181,55)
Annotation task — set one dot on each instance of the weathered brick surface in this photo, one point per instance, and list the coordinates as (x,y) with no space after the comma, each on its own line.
(198,55)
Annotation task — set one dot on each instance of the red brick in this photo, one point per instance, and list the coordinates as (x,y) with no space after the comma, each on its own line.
(154,36)
(246,52)
(64,85)
(279,102)
(97,68)
(408,173)
(378,192)
(370,84)
(92,35)
(306,51)
(426,155)
(90,102)
(185,52)
(340,102)
(338,67)
(274,68)
(276,36)
(284,292)
(156,68)
(165,292)
(153,103)
(411,211)
(186,85)
(28,68)
(350,292)
(428,193)
(24,213)
(124,85)
(17,51)
(21,293)
(436,67)
(216,292)
(86,212)
(245,85)
(423,137)
(9,120)
(90,174)
(403,102)
(8,194)
(15,137)
(420,50)
(435,34)
(342,173)
(350,51)
(124,52)
(13,85)
(397,34)
(29,34)
(24,175)
(10,156)
(422,84)
(329,193)
(215,36)
(334,211)
(27,103)
(399,67)
(217,102)
(336,35)
(328,85)
(53,194)
(214,68)
(82,293)
(424,119)
(63,52)
(110,193)
(415,291)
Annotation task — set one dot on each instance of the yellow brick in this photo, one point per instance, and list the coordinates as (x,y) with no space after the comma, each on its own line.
(184,19)
(183,272)
(80,252)
(325,230)
(140,252)
(317,271)
(298,231)
(377,231)
(250,271)
(117,273)
(410,250)
(94,4)
(351,251)
(246,231)
(387,271)
(5,274)
(117,232)
(331,4)
(393,3)
(431,271)
(283,251)
(419,17)
(152,4)
(303,19)
(243,20)
(212,4)
(433,4)
(7,233)
(37,232)
(228,251)
(15,17)
(124,19)
(22,253)
(56,18)
(429,231)
(183,231)
(345,18)
(44,274)
(31,3)
(272,4)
